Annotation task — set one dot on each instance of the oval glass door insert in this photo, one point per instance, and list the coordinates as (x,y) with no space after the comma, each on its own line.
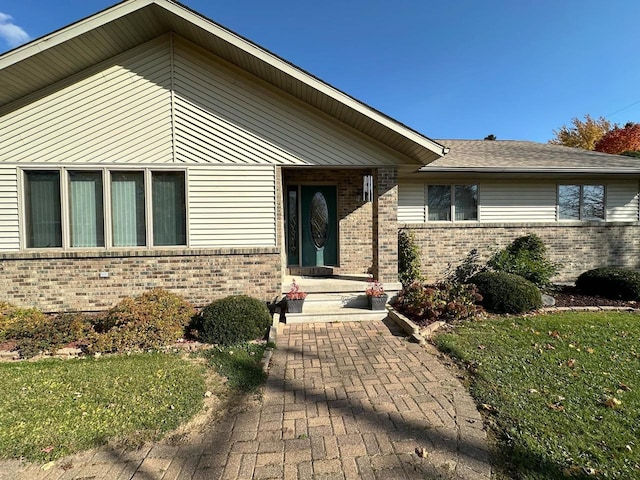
(319,218)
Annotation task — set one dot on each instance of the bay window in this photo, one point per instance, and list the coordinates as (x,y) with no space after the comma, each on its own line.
(145,208)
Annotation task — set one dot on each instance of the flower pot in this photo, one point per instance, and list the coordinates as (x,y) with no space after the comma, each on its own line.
(377,303)
(295,306)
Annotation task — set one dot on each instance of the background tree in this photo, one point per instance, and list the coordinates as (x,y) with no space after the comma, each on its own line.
(620,139)
(582,133)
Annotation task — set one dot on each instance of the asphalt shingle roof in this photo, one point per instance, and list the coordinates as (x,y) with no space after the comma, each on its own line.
(513,155)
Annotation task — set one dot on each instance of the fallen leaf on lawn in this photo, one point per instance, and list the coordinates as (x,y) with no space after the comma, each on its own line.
(561,398)
(533,390)
(612,402)
(628,447)
(481,347)
(589,470)
(421,452)
(207,394)
(558,407)
(571,345)
(624,387)
(550,347)
(590,350)
(571,362)
(554,334)
(487,407)
(48,449)
(47,466)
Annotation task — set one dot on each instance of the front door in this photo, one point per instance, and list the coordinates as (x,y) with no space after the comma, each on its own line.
(317,230)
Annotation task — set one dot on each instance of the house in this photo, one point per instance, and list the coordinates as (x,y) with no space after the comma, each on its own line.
(483,194)
(149,146)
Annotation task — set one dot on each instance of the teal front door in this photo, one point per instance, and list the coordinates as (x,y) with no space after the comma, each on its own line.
(318,226)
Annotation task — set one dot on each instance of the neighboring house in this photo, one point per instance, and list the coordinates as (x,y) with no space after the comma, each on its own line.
(483,194)
(149,146)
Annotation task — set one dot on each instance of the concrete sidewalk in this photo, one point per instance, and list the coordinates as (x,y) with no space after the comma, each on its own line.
(343,401)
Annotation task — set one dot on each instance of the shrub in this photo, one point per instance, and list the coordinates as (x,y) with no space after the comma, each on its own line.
(234,319)
(445,301)
(469,266)
(525,256)
(409,264)
(34,332)
(609,282)
(506,292)
(153,320)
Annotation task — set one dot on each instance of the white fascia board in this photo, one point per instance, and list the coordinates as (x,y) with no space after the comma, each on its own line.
(74,30)
(549,171)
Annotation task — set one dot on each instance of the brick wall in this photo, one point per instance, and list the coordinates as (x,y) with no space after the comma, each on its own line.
(71,281)
(385,225)
(578,247)
(354,215)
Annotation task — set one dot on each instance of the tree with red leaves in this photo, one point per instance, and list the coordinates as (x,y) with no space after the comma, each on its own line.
(620,139)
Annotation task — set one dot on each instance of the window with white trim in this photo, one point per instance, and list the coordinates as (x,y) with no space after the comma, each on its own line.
(581,202)
(440,206)
(104,208)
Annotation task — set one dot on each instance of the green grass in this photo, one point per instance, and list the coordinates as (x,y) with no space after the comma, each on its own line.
(52,408)
(548,385)
(240,364)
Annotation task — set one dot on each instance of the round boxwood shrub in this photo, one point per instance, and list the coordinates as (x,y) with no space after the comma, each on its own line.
(506,292)
(234,319)
(609,282)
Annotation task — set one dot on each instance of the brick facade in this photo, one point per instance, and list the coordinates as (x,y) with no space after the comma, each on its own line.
(71,281)
(385,225)
(355,254)
(578,247)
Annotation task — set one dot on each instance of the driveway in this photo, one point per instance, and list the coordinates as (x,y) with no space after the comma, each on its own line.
(343,401)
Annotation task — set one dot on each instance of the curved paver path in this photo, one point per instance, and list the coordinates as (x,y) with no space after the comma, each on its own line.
(343,401)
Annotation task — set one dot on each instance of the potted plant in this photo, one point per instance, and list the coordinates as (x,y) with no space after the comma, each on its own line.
(295,298)
(376,296)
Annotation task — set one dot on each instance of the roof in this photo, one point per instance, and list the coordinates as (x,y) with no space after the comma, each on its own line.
(70,50)
(514,156)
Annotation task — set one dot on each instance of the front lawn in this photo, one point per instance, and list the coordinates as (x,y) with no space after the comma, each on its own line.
(561,391)
(52,408)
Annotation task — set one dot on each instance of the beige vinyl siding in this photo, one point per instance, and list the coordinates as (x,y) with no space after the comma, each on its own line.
(231,206)
(517,202)
(10,236)
(622,201)
(116,112)
(411,203)
(224,116)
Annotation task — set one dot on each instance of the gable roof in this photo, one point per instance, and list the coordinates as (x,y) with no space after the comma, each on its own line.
(55,56)
(514,156)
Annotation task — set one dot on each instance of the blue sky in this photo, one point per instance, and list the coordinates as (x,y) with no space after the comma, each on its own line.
(449,69)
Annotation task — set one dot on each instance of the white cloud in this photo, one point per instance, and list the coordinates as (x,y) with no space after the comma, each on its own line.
(12,34)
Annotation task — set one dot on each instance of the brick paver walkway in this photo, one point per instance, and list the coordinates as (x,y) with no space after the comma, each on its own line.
(343,401)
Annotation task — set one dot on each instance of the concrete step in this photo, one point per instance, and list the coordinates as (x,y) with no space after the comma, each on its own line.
(344,314)
(336,284)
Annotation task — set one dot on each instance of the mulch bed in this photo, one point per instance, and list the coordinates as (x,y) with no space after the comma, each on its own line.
(569,296)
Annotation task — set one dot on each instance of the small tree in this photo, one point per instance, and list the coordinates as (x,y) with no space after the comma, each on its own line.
(409,264)
(620,139)
(582,133)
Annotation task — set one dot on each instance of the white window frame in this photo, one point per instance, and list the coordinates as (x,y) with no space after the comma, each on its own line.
(452,202)
(106,202)
(581,202)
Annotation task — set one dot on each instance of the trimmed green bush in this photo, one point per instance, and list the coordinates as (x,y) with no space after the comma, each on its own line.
(409,264)
(153,320)
(525,256)
(609,282)
(234,319)
(506,292)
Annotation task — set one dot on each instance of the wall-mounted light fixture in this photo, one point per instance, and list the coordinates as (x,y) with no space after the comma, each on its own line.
(367,187)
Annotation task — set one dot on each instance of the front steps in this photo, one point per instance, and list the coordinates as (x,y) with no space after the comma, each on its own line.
(335,299)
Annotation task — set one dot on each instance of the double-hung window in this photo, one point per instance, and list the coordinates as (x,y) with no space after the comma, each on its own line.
(447,202)
(104,208)
(581,202)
